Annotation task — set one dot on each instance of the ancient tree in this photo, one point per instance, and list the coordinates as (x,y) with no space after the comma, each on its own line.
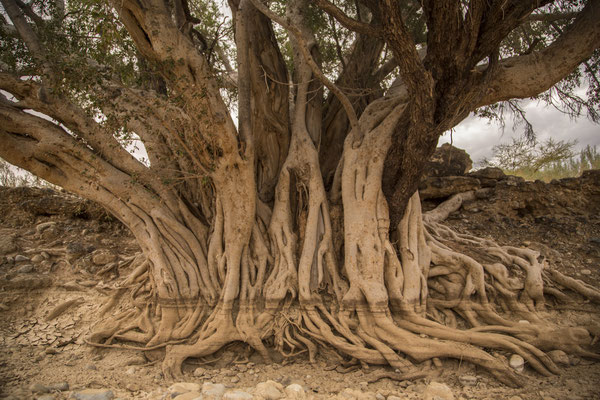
(297,227)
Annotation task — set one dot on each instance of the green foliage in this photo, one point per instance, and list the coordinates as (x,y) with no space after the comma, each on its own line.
(544,161)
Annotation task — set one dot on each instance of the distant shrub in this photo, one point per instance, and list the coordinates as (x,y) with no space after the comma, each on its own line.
(545,161)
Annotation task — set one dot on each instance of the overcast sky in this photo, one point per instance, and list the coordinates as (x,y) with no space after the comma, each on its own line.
(478,136)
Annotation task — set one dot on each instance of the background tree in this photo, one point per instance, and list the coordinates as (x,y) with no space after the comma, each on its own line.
(298,228)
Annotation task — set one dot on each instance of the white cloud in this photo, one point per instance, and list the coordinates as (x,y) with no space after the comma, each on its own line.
(477,136)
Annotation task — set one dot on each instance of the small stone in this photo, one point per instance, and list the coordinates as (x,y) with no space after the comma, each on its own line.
(59,386)
(93,394)
(91,367)
(213,390)
(515,398)
(574,360)
(44,225)
(37,258)
(25,269)
(132,387)
(392,397)
(269,390)
(517,363)
(38,388)
(235,379)
(237,395)
(524,322)
(559,357)
(468,380)
(379,396)
(199,371)
(586,272)
(295,391)
(189,396)
(184,387)
(130,371)
(21,258)
(46,397)
(437,391)
(103,257)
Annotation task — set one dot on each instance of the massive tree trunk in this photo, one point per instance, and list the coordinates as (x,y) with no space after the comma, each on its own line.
(301,228)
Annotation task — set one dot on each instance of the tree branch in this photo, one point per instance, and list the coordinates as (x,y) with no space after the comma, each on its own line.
(531,74)
(311,62)
(346,21)
(24,29)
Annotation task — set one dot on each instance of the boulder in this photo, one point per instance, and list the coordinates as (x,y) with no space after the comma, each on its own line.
(442,187)
(448,161)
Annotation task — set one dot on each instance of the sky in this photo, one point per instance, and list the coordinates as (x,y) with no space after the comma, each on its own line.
(478,136)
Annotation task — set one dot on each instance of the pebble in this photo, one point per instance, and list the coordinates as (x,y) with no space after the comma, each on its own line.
(295,391)
(184,387)
(586,272)
(91,367)
(189,396)
(468,380)
(46,397)
(212,391)
(237,395)
(51,350)
(269,390)
(235,379)
(392,397)
(37,258)
(93,394)
(517,362)
(38,388)
(559,357)
(199,371)
(25,269)
(21,258)
(60,386)
(515,398)
(103,257)
(438,391)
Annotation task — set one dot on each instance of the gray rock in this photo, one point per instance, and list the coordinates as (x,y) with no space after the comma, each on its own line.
(517,362)
(38,388)
(21,258)
(25,269)
(189,396)
(448,161)
(184,387)
(8,244)
(559,357)
(37,258)
(295,391)
(269,390)
(93,394)
(44,225)
(103,257)
(213,391)
(91,367)
(441,187)
(468,380)
(438,391)
(59,386)
(237,395)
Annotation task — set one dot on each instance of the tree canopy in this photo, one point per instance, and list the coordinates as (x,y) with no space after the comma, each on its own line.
(285,143)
